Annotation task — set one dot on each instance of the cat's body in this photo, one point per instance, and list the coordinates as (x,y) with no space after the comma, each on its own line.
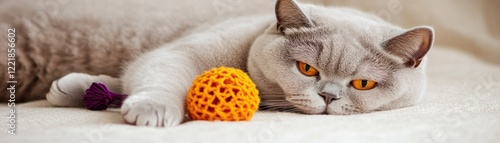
(343,45)
(55,38)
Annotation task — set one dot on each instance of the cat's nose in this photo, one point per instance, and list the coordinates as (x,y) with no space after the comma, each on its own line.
(328,97)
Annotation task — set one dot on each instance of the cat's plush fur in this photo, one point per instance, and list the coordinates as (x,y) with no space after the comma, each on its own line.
(342,44)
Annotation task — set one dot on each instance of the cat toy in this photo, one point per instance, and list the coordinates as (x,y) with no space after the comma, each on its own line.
(225,94)
(99,97)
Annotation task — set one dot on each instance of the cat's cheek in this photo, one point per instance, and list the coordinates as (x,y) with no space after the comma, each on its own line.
(375,99)
(365,101)
(307,101)
(298,86)
(407,86)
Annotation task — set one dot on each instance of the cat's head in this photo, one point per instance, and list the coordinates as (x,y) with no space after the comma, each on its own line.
(338,61)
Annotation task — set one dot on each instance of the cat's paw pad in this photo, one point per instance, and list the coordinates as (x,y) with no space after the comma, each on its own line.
(146,111)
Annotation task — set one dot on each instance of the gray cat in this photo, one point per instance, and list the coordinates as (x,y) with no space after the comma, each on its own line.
(305,58)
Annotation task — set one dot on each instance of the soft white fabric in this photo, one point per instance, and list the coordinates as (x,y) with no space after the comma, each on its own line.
(461,104)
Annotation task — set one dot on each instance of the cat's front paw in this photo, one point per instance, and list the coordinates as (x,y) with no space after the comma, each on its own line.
(143,110)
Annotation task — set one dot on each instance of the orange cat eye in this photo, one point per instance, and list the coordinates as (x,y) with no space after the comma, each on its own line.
(307,69)
(363,84)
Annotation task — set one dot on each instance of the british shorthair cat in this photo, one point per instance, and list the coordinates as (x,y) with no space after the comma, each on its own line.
(303,58)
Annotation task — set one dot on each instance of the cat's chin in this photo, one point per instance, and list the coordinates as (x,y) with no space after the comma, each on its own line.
(327,111)
(331,112)
(310,110)
(315,112)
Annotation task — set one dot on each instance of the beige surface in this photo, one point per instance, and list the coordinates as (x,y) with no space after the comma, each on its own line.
(462,102)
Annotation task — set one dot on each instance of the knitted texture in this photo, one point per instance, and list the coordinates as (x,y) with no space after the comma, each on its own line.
(225,94)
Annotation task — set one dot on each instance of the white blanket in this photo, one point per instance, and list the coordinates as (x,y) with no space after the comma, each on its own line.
(461,103)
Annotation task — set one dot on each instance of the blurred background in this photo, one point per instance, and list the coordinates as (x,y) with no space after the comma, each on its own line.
(471,26)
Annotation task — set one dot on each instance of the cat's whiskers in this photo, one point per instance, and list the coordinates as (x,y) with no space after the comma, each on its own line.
(283,102)
(276,102)
(272,95)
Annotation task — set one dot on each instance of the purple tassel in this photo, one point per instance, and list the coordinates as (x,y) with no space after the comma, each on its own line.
(98,97)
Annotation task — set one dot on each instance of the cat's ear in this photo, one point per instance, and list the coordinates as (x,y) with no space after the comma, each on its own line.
(289,15)
(411,46)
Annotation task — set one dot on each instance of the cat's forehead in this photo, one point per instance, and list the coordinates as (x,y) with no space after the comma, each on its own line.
(324,42)
(338,53)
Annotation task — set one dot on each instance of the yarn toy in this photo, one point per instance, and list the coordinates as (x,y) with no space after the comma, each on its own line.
(98,97)
(225,94)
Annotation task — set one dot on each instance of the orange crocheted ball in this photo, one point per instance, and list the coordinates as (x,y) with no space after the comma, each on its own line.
(225,94)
